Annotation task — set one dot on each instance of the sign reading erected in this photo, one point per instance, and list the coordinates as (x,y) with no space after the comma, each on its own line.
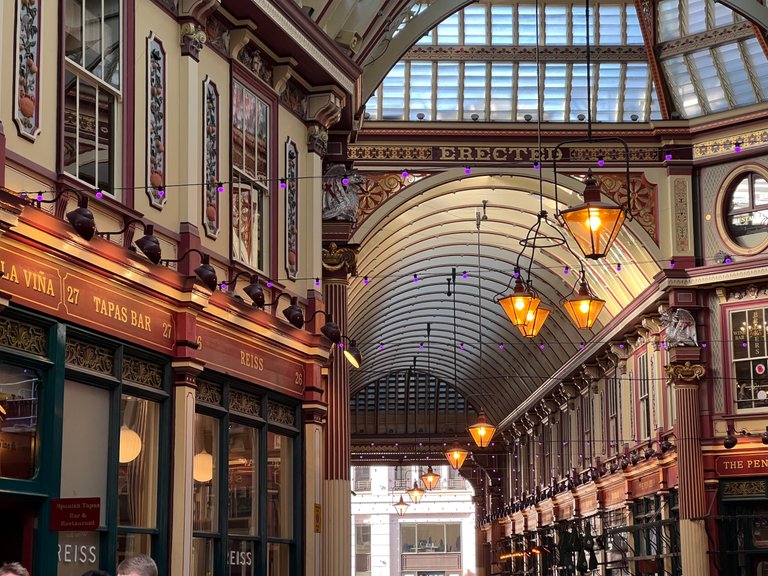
(75,514)
(54,288)
(741,465)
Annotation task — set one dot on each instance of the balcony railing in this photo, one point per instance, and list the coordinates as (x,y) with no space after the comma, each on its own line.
(362,485)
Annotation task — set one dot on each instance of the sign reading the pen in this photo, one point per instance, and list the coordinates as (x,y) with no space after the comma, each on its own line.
(54,288)
(233,353)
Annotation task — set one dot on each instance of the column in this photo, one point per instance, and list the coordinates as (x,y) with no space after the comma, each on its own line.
(185,372)
(314,413)
(338,263)
(685,376)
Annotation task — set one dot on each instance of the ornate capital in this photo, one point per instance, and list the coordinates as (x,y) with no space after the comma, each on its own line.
(185,372)
(193,38)
(335,259)
(325,108)
(317,140)
(685,373)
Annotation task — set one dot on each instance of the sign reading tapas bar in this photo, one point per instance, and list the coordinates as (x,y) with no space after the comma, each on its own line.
(51,287)
(741,465)
(230,353)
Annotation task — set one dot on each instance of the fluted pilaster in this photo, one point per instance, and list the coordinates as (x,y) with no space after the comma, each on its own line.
(685,377)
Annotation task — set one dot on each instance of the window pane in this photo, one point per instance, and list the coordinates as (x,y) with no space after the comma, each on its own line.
(241,557)
(474,25)
(696,11)
(420,92)
(87,124)
(137,486)
(19,397)
(555,80)
(205,467)
(579,91)
(279,559)
(447,95)
(681,86)
(636,85)
(735,72)
(758,64)
(474,90)
(243,480)
(502,26)
(761,191)
(112,42)
(129,545)
(92,36)
(556,25)
(579,26)
(608,92)
(202,556)
(85,441)
(393,93)
(669,20)
(502,81)
(610,24)
(280,494)
(448,30)
(526,25)
(73,31)
(527,91)
(634,34)
(703,65)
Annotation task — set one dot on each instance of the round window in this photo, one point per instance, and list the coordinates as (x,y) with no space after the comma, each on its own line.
(746,211)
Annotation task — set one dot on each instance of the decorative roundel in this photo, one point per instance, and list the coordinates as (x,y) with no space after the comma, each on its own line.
(760,369)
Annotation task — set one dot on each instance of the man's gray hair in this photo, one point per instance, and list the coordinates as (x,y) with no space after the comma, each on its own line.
(13,569)
(141,565)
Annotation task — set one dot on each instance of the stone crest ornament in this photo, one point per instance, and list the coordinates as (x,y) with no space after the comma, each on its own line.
(680,328)
(193,38)
(340,193)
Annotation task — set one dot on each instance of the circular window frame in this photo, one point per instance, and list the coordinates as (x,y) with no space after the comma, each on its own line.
(721,210)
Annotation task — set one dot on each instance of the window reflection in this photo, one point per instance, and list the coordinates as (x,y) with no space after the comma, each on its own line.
(19,401)
(204,474)
(243,480)
(279,486)
(137,488)
(278,559)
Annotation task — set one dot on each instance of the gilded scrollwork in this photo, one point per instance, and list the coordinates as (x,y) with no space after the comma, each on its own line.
(245,403)
(281,414)
(335,258)
(24,337)
(89,356)
(142,372)
(208,392)
(686,372)
(744,489)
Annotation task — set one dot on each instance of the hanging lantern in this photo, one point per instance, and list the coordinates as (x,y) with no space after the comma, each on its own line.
(535,322)
(456,455)
(482,431)
(130,445)
(401,506)
(520,303)
(415,493)
(430,479)
(584,307)
(594,224)
(202,467)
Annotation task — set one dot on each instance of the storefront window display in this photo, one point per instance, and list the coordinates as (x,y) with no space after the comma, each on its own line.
(250,455)
(19,432)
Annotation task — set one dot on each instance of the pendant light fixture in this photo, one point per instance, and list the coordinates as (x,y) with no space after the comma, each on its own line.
(521,302)
(535,322)
(594,224)
(482,431)
(415,493)
(430,478)
(456,455)
(401,506)
(583,306)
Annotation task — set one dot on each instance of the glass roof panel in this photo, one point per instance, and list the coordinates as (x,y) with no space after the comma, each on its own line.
(475,32)
(501,85)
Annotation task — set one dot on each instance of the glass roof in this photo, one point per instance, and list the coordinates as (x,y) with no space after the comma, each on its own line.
(479,64)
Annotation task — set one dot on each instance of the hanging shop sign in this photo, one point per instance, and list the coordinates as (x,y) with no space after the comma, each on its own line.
(229,352)
(49,286)
(75,514)
(741,465)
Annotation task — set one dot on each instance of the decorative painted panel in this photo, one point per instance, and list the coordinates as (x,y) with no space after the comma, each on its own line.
(244,403)
(644,198)
(218,34)
(680,191)
(291,209)
(142,372)
(211,188)
(208,392)
(156,152)
(377,188)
(26,109)
(89,356)
(20,336)
(281,414)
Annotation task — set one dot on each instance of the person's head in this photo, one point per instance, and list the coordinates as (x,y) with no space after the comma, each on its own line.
(96,573)
(13,569)
(141,565)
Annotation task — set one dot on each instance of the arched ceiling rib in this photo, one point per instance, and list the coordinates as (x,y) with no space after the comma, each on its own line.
(431,229)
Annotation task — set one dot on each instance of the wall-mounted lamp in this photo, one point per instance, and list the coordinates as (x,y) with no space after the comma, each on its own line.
(81,218)
(148,244)
(253,290)
(731,439)
(330,329)
(352,352)
(204,272)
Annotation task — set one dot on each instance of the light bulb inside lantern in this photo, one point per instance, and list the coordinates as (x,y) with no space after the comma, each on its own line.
(593,221)
(584,306)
